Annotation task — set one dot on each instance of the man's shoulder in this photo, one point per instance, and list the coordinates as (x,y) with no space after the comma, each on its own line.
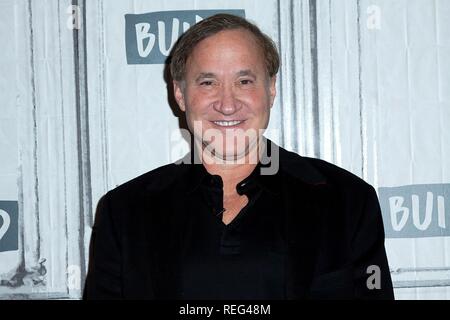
(316,171)
(154,181)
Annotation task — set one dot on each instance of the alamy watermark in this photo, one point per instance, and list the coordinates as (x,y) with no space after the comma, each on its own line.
(226,146)
(73,20)
(373,17)
(374,280)
(74,277)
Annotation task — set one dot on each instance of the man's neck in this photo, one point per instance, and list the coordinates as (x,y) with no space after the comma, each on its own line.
(233,173)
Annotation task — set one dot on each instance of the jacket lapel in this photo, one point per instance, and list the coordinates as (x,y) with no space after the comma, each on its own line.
(165,236)
(305,194)
(303,211)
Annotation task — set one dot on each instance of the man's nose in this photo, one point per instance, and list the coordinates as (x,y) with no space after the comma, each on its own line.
(227,103)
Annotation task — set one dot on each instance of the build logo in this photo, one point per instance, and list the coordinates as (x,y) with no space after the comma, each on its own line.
(9,226)
(416,211)
(150,37)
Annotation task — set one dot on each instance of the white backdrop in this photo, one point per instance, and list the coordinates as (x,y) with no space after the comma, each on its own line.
(363,84)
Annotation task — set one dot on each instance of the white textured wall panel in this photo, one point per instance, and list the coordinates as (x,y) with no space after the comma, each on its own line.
(363,84)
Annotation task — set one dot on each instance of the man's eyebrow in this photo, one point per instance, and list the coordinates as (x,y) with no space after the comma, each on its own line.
(241,73)
(205,75)
(247,72)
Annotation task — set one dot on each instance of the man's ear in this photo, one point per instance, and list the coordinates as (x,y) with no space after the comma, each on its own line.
(272,89)
(179,95)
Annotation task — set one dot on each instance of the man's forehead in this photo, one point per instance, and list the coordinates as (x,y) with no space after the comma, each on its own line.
(240,73)
(237,33)
(202,62)
(241,37)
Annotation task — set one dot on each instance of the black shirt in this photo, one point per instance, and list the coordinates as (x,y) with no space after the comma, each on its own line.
(241,260)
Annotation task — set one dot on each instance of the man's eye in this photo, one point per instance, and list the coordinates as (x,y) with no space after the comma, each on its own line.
(206,83)
(246,81)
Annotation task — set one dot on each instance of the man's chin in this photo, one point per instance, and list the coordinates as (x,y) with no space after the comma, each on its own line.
(230,156)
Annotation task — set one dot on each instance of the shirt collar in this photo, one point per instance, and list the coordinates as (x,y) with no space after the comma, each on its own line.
(198,175)
(290,163)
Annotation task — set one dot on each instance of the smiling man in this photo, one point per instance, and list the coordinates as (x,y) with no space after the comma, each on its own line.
(216,225)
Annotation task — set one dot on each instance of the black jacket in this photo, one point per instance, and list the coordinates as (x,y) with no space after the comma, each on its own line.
(334,234)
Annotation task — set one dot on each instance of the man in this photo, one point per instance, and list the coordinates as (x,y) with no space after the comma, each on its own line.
(221,228)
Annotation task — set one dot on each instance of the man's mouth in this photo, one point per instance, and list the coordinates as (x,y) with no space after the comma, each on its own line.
(228,123)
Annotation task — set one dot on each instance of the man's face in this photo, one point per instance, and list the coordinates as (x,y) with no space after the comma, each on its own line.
(228,91)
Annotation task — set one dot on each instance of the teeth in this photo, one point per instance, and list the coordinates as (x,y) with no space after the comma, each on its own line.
(227,123)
